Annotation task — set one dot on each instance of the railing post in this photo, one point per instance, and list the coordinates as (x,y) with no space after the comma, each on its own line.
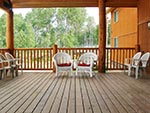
(137,48)
(54,52)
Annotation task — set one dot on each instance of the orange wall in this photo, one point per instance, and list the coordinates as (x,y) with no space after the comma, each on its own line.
(143,32)
(126,27)
(144,16)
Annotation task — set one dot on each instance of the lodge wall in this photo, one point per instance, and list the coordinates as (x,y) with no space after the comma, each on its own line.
(125,29)
(143,32)
(144,17)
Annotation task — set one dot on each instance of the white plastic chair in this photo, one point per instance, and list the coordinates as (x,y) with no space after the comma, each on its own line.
(85,63)
(14,62)
(132,61)
(141,64)
(5,66)
(63,62)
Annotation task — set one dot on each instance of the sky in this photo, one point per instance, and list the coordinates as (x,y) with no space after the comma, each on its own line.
(92,11)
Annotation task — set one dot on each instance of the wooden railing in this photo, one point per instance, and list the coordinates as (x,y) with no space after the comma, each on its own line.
(41,58)
(115,57)
(35,58)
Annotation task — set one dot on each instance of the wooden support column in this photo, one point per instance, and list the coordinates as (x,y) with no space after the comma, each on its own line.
(102,35)
(10,31)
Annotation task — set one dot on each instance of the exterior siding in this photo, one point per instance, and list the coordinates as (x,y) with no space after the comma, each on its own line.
(126,27)
(144,17)
(143,32)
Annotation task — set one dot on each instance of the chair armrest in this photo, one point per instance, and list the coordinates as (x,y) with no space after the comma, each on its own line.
(136,62)
(128,60)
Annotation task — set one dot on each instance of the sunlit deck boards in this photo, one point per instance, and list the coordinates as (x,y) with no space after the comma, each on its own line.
(43,93)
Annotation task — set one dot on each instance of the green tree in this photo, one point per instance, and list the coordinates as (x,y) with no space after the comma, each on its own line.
(43,25)
(3,31)
(23,33)
(70,23)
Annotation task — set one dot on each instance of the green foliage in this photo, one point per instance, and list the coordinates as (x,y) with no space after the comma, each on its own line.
(23,33)
(44,27)
(3,31)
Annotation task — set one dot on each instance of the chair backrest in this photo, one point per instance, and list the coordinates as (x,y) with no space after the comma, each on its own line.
(88,57)
(61,57)
(2,57)
(9,56)
(89,54)
(136,57)
(144,59)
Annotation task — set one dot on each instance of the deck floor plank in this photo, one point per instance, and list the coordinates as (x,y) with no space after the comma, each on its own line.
(72,100)
(93,101)
(42,92)
(101,102)
(11,98)
(19,100)
(136,95)
(85,98)
(46,96)
(119,96)
(126,94)
(58,99)
(111,97)
(52,97)
(65,98)
(105,96)
(30,96)
(79,102)
(12,84)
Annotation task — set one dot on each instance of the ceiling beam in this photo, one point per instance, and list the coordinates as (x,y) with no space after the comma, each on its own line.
(71,3)
(53,3)
(121,3)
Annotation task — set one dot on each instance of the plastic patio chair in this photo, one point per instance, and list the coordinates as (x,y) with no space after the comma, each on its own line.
(141,65)
(14,62)
(132,61)
(5,66)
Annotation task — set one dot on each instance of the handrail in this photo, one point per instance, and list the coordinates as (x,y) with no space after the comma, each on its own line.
(41,58)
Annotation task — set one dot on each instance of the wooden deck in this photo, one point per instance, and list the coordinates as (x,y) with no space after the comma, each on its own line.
(42,92)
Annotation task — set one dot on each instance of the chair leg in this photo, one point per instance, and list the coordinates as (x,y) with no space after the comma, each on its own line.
(129,71)
(5,74)
(70,72)
(136,73)
(76,71)
(56,73)
(91,73)
(1,74)
(21,71)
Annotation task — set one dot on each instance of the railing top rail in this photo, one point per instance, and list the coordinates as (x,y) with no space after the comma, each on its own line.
(33,48)
(120,48)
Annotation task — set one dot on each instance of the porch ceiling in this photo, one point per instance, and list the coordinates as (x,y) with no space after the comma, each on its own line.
(69,3)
